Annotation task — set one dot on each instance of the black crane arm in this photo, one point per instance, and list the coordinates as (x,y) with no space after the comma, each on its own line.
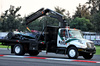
(42,12)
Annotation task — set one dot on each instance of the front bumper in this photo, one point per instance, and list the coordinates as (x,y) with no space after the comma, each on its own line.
(87,50)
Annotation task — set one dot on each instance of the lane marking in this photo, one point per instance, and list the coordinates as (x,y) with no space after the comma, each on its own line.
(14,56)
(58,59)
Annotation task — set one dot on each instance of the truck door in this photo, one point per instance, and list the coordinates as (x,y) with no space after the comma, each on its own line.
(62,38)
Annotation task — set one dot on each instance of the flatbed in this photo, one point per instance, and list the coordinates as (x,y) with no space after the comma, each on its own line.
(13,41)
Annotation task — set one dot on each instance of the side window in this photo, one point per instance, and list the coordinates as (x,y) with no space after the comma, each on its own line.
(63,33)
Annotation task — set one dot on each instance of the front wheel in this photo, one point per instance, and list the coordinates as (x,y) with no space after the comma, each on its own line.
(88,56)
(73,53)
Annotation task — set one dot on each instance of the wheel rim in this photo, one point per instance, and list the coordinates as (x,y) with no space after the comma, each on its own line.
(17,49)
(72,53)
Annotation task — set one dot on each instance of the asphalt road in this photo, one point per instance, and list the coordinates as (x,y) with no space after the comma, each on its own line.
(13,60)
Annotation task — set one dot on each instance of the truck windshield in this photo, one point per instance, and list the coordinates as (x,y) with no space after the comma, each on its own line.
(75,34)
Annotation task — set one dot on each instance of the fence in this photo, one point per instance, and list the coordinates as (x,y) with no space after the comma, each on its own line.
(3,34)
(93,36)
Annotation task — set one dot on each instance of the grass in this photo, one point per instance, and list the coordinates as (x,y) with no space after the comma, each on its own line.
(2,46)
(97,49)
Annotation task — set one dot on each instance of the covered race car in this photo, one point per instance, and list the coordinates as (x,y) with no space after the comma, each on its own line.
(23,35)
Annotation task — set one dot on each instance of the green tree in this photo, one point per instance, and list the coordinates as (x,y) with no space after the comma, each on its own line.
(63,12)
(60,10)
(1,20)
(35,25)
(94,6)
(96,21)
(82,24)
(82,11)
(10,19)
(49,21)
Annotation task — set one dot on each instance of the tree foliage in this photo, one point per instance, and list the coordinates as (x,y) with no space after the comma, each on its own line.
(82,11)
(82,24)
(60,10)
(96,21)
(91,11)
(10,19)
(35,25)
(94,6)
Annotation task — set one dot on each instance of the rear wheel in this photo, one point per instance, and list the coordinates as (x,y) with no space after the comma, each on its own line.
(88,56)
(33,53)
(73,53)
(18,49)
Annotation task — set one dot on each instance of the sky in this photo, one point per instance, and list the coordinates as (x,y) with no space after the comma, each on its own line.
(29,6)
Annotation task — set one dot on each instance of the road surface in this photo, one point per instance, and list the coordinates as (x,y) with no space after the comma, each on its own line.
(43,59)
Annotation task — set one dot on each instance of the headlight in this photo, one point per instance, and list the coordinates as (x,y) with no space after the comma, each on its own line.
(90,45)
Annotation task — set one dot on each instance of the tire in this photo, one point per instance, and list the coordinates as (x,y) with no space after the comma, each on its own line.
(18,49)
(88,56)
(33,53)
(73,53)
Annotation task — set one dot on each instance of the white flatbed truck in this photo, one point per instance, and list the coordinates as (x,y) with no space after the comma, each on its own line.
(59,40)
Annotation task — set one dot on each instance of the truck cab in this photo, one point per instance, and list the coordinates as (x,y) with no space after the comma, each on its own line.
(75,44)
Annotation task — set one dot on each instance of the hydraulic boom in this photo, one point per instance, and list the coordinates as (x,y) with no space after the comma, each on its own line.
(42,12)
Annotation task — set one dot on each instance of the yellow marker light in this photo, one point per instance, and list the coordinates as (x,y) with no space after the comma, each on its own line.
(28,29)
(80,49)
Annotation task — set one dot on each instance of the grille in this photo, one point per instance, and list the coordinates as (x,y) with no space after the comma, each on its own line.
(90,45)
